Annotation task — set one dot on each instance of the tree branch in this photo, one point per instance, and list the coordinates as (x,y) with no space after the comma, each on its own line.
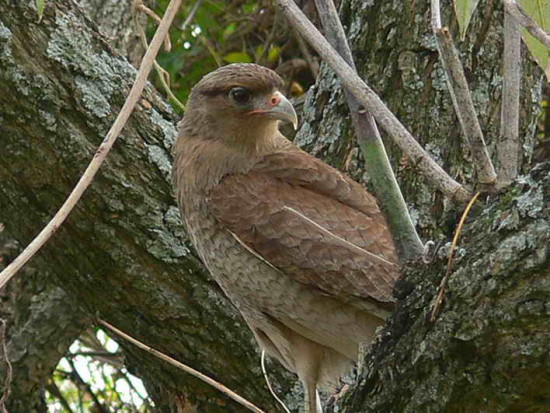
(163,75)
(87,177)
(462,98)
(228,392)
(142,7)
(519,15)
(366,97)
(378,166)
(509,143)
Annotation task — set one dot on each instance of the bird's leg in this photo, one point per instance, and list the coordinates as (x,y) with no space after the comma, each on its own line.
(312,401)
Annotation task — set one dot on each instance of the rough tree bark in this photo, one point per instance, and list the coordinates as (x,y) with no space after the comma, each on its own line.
(123,255)
(42,322)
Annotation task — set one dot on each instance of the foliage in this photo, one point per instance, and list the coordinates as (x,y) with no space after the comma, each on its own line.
(92,377)
(221,32)
(40,4)
(539,11)
(464,10)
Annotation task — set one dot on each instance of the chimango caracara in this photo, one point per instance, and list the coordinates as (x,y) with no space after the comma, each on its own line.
(302,250)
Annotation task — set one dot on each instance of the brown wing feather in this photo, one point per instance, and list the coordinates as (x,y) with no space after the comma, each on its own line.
(312,223)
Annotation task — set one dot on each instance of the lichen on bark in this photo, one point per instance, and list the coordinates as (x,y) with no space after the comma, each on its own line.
(488,348)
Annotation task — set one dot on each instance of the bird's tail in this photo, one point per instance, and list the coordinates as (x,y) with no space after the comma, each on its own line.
(312,399)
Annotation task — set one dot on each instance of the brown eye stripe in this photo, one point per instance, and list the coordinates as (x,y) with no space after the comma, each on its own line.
(213,92)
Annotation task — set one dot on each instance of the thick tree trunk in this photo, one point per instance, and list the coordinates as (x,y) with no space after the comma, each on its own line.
(42,321)
(488,349)
(123,254)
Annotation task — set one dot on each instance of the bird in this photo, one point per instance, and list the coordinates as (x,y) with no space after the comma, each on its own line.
(301,250)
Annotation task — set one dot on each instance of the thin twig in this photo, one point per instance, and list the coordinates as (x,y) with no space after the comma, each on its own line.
(86,179)
(462,99)
(103,354)
(211,50)
(269,40)
(519,15)
(190,16)
(302,45)
(443,285)
(113,359)
(142,7)
(164,76)
(368,98)
(9,368)
(183,367)
(264,371)
(508,148)
(378,166)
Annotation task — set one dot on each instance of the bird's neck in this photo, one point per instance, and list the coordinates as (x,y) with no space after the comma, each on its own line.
(201,162)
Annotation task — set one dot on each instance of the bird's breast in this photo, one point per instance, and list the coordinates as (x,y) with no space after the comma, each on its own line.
(254,286)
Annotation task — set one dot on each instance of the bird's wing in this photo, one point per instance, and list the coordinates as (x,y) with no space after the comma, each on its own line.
(312,223)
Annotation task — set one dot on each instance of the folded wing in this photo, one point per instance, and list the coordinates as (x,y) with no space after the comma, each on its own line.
(312,223)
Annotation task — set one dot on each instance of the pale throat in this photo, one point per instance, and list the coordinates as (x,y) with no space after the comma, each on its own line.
(253,137)
(223,149)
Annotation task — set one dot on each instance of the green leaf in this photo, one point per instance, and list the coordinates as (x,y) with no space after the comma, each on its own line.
(464,9)
(237,57)
(539,11)
(258,52)
(250,7)
(40,4)
(229,30)
(274,53)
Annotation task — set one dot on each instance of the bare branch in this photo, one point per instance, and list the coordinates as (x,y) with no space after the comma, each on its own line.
(269,40)
(102,151)
(462,98)
(143,8)
(378,166)
(191,15)
(228,392)
(313,66)
(508,148)
(163,75)
(519,15)
(435,10)
(367,98)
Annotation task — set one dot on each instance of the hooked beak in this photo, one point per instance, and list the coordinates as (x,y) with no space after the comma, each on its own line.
(279,108)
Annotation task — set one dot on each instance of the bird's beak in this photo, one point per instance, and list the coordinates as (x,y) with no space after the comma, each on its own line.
(279,108)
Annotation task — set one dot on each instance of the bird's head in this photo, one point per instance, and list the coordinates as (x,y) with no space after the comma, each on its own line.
(238,100)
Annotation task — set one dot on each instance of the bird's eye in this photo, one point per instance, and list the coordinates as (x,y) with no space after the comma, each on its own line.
(240,95)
